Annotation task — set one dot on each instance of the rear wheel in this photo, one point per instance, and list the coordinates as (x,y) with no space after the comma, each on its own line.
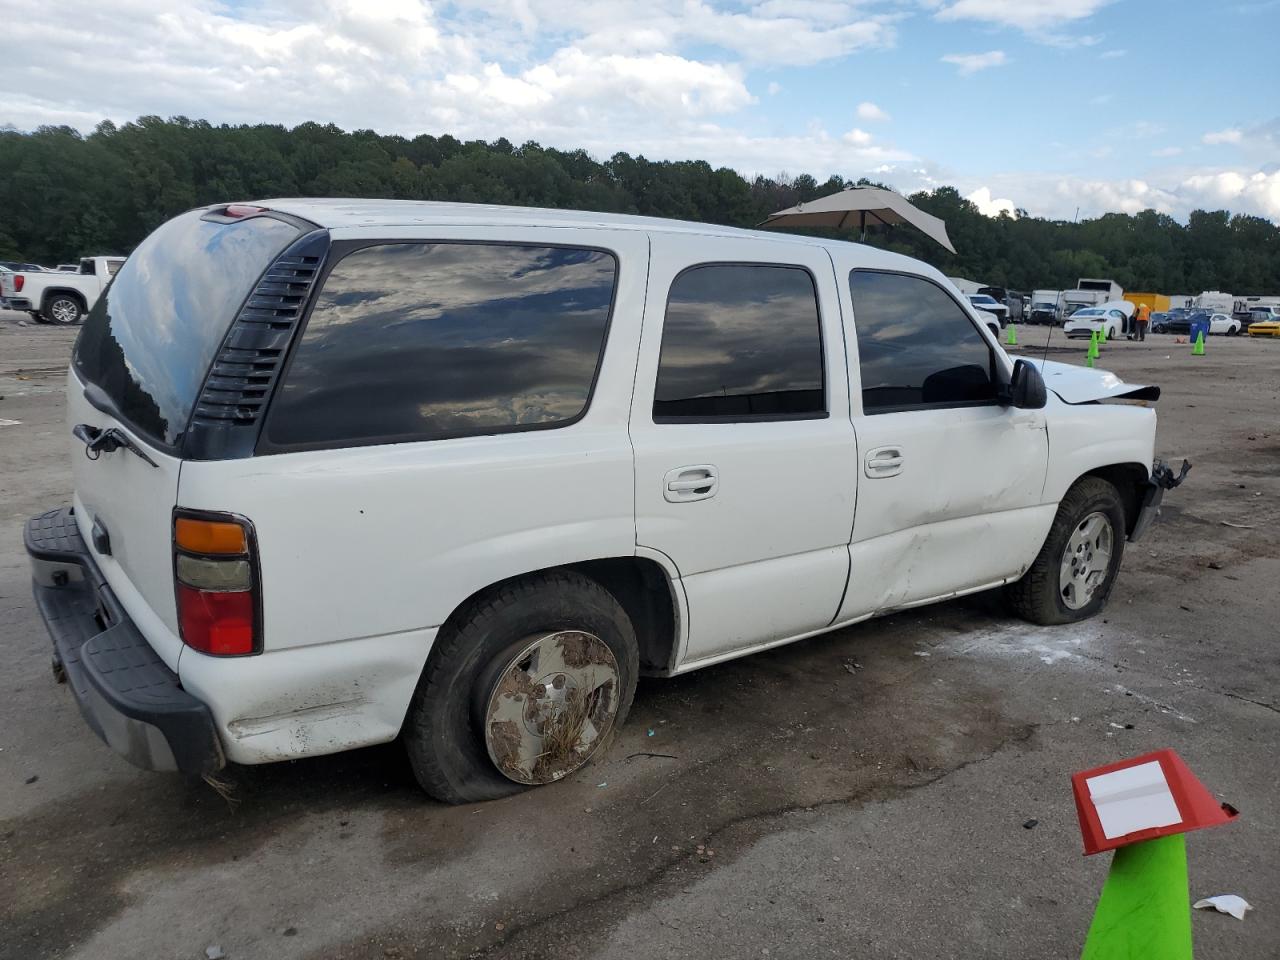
(63,309)
(1232,330)
(523,688)
(1072,577)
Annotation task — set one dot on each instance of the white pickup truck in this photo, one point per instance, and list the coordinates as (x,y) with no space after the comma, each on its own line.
(59,296)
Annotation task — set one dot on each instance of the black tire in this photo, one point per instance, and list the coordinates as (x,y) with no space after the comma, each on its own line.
(444,729)
(38,317)
(1232,331)
(63,309)
(1037,597)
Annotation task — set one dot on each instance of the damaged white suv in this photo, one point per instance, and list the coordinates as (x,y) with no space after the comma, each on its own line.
(347,471)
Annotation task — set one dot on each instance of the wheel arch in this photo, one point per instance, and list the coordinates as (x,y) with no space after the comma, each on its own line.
(1129,479)
(75,294)
(645,589)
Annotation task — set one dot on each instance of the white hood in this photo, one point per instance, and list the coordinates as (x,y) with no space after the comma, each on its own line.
(1083,385)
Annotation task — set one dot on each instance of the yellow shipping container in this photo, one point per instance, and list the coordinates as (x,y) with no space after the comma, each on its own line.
(1158,302)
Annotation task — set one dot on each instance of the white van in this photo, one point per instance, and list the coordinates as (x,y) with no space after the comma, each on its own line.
(347,471)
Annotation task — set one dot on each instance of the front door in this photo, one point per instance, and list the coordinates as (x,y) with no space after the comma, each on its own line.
(952,481)
(746,464)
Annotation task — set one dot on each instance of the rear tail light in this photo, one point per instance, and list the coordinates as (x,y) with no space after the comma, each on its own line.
(215,566)
(18,281)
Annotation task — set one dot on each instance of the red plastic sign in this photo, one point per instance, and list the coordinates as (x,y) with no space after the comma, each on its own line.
(1154,795)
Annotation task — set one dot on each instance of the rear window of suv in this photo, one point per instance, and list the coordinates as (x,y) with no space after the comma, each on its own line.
(426,341)
(151,336)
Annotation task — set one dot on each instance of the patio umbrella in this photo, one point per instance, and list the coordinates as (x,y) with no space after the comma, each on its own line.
(860,207)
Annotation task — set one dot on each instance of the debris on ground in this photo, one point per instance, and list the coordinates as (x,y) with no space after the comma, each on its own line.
(1030,824)
(1224,903)
(33,778)
(214,952)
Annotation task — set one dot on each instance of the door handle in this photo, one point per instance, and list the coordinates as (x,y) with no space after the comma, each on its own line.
(684,484)
(884,462)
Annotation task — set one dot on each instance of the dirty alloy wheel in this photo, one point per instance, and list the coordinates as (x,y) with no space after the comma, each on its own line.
(1072,577)
(63,310)
(524,686)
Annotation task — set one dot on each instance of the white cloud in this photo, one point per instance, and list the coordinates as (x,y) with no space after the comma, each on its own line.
(969,63)
(774,88)
(1230,135)
(859,138)
(1112,54)
(1023,14)
(1166,152)
(1176,192)
(988,205)
(869,111)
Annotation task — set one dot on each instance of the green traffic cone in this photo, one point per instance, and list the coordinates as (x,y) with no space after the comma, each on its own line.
(1145,910)
(1093,346)
(1012,338)
(1198,349)
(1088,360)
(1102,335)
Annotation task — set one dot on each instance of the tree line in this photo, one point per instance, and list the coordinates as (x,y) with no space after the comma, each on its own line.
(64,195)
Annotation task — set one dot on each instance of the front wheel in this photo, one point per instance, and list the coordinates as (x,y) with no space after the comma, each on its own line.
(1072,577)
(1232,330)
(524,687)
(63,309)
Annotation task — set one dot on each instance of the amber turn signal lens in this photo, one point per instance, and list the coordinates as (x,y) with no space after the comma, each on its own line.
(209,536)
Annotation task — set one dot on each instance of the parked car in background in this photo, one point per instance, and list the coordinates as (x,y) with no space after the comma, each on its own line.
(1177,316)
(1225,324)
(63,298)
(1264,322)
(990,306)
(68,268)
(314,429)
(1180,321)
(1110,317)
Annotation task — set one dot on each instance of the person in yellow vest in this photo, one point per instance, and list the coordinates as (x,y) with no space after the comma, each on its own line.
(1144,318)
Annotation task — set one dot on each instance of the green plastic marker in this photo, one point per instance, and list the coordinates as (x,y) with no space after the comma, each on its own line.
(1145,910)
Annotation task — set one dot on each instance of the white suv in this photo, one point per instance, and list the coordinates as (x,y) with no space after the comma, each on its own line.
(348,471)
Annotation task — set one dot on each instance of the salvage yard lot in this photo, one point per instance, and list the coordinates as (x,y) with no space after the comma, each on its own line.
(896,789)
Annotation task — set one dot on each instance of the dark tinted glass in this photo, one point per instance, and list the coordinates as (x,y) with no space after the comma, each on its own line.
(740,342)
(151,336)
(916,346)
(421,341)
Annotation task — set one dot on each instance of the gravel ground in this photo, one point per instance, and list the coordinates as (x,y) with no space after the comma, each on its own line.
(804,807)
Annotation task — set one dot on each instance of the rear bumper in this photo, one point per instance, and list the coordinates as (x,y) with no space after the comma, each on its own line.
(126,693)
(19,303)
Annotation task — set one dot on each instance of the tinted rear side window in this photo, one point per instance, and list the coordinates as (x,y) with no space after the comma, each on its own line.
(740,342)
(150,338)
(423,341)
(916,345)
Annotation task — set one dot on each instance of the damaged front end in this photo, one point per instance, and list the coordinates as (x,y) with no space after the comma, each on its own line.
(1162,478)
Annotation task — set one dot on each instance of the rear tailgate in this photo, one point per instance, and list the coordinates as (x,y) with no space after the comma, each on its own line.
(130,503)
(140,363)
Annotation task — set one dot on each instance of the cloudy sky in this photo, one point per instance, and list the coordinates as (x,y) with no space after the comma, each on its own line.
(1044,104)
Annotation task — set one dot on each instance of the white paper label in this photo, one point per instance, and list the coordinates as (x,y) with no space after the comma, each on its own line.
(1133,799)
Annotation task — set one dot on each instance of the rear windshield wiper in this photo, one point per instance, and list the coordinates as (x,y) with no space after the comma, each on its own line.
(98,441)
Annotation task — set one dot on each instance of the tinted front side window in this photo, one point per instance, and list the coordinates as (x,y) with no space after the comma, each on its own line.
(150,338)
(740,342)
(422,341)
(916,346)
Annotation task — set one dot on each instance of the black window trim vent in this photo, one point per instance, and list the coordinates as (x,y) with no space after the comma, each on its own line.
(229,411)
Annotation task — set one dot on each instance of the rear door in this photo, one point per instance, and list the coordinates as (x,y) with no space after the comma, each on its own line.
(139,365)
(745,459)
